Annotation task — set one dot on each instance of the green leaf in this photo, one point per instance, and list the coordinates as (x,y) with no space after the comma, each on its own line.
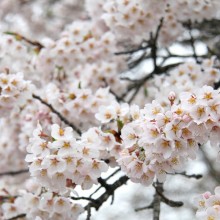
(145,92)
(120,125)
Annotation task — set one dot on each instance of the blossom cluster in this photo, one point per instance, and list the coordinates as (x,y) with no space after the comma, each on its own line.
(14,92)
(208,205)
(58,161)
(76,72)
(106,142)
(10,146)
(13,49)
(184,78)
(161,140)
(78,104)
(30,18)
(46,206)
(83,51)
(128,18)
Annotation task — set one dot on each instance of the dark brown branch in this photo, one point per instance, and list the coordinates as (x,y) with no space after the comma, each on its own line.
(88,212)
(109,192)
(195,176)
(159,190)
(7,198)
(145,207)
(14,173)
(31,42)
(132,51)
(157,200)
(17,217)
(83,198)
(153,44)
(118,98)
(217,85)
(139,83)
(116,171)
(103,183)
(113,198)
(62,118)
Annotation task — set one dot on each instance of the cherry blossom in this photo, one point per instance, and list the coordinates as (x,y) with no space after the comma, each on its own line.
(87,87)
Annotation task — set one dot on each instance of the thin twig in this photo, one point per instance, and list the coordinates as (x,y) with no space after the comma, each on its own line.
(83,198)
(113,198)
(139,83)
(14,173)
(132,51)
(118,98)
(16,217)
(31,42)
(158,198)
(145,207)
(62,118)
(196,176)
(159,190)
(115,172)
(6,198)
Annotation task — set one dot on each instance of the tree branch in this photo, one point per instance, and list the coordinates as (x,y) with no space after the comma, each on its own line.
(31,42)
(83,198)
(61,117)
(14,173)
(109,192)
(196,176)
(116,171)
(17,217)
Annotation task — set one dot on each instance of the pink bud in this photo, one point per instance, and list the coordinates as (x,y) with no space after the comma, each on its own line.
(172,96)
(206,195)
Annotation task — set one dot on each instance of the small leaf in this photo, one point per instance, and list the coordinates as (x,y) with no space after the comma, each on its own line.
(145,92)
(120,125)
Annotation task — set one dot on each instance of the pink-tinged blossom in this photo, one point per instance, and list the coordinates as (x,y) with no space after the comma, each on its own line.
(135,111)
(208,205)
(151,110)
(61,134)
(43,206)
(67,159)
(10,210)
(129,136)
(53,164)
(15,92)
(106,114)
(163,139)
